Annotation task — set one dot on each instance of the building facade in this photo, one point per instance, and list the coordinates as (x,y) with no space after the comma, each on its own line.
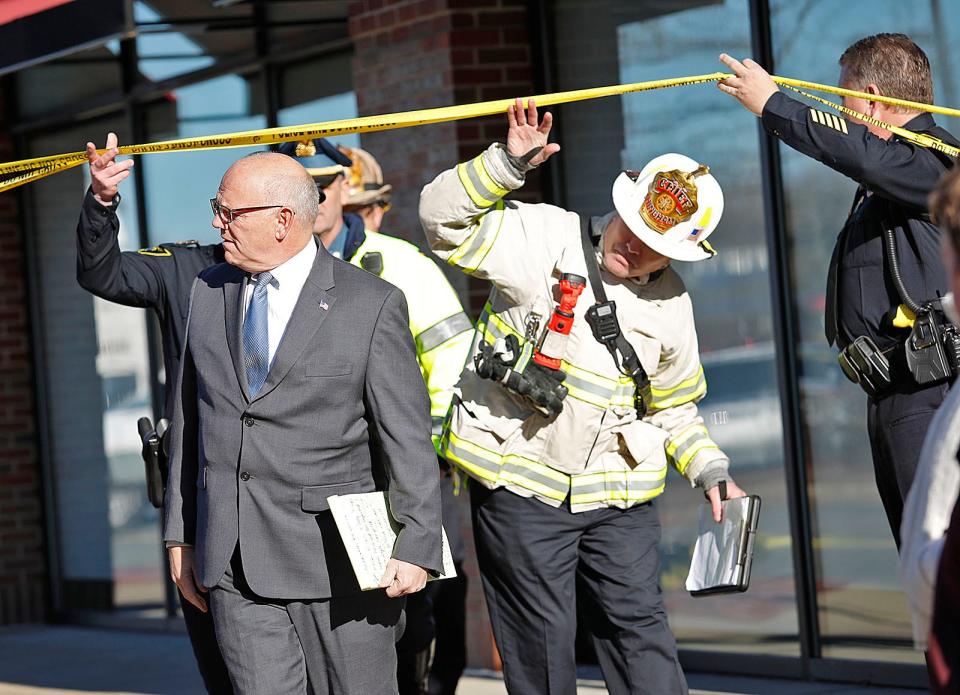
(78,539)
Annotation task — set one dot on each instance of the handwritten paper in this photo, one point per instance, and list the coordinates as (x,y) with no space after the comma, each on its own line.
(369,533)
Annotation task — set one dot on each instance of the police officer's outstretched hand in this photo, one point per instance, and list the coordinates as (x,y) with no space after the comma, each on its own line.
(751,84)
(714,495)
(105,172)
(527,136)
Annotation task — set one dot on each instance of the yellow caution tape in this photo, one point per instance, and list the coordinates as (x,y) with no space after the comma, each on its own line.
(921,139)
(39,167)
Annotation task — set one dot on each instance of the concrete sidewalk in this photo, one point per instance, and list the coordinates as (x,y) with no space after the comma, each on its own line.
(44,660)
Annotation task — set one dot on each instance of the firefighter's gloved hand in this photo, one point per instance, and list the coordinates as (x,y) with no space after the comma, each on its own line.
(541,386)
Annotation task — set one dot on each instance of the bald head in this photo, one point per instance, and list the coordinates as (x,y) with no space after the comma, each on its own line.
(275,203)
(282,180)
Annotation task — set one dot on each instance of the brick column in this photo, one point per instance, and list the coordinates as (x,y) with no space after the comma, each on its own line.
(22,563)
(417,54)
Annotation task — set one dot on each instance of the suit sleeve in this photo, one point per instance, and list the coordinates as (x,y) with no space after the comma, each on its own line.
(124,277)
(180,499)
(399,411)
(896,169)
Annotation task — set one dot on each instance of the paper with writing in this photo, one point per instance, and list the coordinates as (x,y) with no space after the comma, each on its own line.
(369,532)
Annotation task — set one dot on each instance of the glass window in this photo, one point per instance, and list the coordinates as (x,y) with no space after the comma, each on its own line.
(637,41)
(179,185)
(97,387)
(87,75)
(173,40)
(863,613)
(318,91)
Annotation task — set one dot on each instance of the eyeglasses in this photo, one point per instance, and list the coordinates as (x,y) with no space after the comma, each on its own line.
(228,215)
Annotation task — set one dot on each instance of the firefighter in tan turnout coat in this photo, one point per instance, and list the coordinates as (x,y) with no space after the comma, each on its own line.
(565,464)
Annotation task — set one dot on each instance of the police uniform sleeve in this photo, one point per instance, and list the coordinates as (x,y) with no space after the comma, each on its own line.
(896,169)
(469,225)
(129,278)
(672,396)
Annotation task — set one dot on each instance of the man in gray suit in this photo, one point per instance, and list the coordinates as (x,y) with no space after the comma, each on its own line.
(293,362)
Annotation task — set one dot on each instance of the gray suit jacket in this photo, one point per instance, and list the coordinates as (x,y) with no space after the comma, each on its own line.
(258,472)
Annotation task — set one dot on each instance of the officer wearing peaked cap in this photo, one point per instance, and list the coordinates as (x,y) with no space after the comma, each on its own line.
(564,499)
(865,314)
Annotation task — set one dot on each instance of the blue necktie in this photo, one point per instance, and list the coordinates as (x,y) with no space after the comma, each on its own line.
(256,340)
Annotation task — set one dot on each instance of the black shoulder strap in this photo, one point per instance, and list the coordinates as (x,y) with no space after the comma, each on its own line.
(628,363)
(590,255)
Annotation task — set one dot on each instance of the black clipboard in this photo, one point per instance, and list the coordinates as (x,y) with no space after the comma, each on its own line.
(738,544)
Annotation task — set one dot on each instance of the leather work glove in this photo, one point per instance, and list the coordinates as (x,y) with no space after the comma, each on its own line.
(505,362)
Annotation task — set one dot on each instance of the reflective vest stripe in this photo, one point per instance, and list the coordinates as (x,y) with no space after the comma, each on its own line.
(442,331)
(482,189)
(689,390)
(624,486)
(436,426)
(684,447)
(497,469)
(478,244)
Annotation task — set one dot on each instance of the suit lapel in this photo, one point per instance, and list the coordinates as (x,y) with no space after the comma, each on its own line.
(233,292)
(308,314)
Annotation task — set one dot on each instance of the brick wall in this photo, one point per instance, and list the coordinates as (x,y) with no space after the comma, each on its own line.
(416,54)
(22,564)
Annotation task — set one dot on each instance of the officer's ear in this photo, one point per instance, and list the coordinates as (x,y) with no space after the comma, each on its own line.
(872,88)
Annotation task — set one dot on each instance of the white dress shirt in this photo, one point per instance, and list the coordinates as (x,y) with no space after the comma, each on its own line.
(290,277)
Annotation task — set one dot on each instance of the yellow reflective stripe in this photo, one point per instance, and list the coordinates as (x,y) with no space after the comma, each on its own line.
(617,486)
(687,391)
(495,327)
(481,188)
(491,187)
(442,331)
(684,447)
(511,468)
(477,245)
(464,171)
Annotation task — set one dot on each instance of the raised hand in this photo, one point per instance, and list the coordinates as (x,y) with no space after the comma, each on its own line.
(751,84)
(107,173)
(527,133)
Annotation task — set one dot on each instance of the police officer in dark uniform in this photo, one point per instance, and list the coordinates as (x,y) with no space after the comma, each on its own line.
(158,278)
(895,178)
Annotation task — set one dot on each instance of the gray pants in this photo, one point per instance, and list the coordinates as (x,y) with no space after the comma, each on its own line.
(335,646)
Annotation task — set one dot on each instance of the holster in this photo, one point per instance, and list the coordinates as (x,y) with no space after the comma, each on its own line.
(154,457)
(865,364)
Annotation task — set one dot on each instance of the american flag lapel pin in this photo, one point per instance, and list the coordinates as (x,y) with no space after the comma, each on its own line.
(324,305)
